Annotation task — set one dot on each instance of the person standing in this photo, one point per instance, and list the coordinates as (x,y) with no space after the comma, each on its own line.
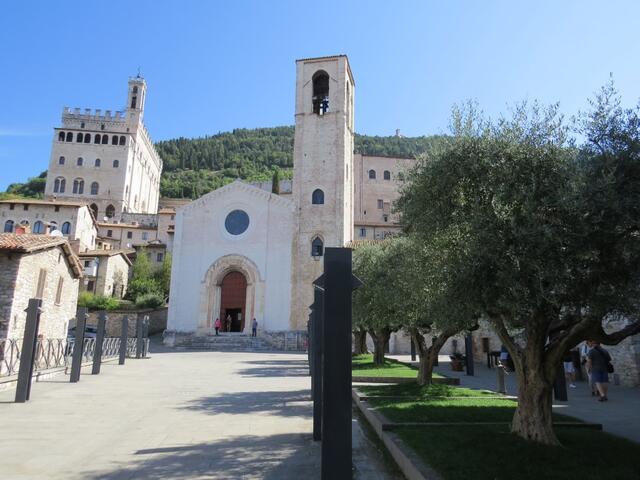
(228,323)
(217,326)
(598,361)
(254,327)
(584,356)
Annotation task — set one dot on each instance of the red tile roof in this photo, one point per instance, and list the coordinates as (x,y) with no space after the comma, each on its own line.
(31,242)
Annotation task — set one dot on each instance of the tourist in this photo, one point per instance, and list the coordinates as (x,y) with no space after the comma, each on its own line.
(217,326)
(254,327)
(569,369)
(228,323)
(598,363)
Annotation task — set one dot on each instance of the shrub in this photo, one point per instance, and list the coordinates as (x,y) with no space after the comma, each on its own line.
(142,286)
(149,300)
(97,302)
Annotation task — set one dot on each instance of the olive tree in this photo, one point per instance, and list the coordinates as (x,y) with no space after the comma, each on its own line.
(550,233)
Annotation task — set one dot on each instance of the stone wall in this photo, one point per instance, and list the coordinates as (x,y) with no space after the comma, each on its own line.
(157,320)
(55,315)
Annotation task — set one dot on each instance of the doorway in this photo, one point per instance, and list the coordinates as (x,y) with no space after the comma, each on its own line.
(232,305)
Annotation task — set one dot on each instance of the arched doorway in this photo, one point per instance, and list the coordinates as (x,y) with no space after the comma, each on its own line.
(232,302)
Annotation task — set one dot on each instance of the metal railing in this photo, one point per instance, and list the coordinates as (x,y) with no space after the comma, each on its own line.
(57,352)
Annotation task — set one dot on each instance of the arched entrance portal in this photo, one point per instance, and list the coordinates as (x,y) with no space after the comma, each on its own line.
(232,302)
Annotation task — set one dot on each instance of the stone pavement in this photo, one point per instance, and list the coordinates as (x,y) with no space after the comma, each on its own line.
(177,415)
(620,415)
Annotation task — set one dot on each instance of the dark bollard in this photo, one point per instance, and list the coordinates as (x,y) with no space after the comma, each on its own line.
(124,338)
(145,335)
(28,352)
(413,351)
(500,387)
(78,347)
(318,319)
(97,351)
(560,385)
(468,352)
(336,369)
(139,337)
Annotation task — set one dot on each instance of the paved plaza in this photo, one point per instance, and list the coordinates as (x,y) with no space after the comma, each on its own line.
(177,415)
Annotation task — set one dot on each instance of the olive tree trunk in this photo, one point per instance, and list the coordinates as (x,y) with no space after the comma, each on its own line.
(360,342)
(380,339)
(428,355)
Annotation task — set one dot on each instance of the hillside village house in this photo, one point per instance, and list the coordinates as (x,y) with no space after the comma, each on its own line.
(37,266)
(74,220)
(106,272)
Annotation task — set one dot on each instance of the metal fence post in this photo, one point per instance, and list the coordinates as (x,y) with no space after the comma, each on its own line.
(500,372)
(97,351)
(468,352)
(28,352)
(78,346)
(124,338)
(139,339)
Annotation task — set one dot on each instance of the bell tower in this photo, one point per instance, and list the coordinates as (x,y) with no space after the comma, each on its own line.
(322,170)
(135,98)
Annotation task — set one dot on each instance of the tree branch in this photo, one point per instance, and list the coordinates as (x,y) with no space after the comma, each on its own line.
(614,338)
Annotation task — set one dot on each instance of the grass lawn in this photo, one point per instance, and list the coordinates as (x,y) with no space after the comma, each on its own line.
(419,391)
(492,453)
(362,366)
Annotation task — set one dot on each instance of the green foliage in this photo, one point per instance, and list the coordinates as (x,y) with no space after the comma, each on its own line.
(146,281)
(149,300)
(163,274)
(97,302)
(142,286)
(33,188)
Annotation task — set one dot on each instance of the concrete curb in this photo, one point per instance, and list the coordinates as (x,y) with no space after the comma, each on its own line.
(442,380)
(412,466)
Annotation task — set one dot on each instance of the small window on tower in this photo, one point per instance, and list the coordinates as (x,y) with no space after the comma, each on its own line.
(105,139)
(380,204)
(97,162)
(122,140)
(97,139)
(134,100)
(320,97)
(79,162)
(69,137)
(61,137)
(79,138)
(317,247)
(61,161)
(114,140)
(387,175)
(372,174)
(87,138)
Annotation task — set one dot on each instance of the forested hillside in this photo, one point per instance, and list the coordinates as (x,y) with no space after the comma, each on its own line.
(193,167)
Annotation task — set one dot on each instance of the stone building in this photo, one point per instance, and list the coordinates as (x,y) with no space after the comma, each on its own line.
(37,266)
(106,272)
(74,220)
(106,159)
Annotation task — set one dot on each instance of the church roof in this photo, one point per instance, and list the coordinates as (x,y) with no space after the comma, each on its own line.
(256,192)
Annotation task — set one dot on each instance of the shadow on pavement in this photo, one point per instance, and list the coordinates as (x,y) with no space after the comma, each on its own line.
(276,457)
(283,403)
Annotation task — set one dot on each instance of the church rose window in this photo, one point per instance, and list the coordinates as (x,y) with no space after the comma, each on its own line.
(236,222)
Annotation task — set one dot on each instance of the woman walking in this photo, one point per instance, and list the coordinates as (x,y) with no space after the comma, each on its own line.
(217,326)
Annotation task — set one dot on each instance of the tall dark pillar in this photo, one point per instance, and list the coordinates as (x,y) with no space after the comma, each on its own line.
(78,344)
(97,351)
(28,352)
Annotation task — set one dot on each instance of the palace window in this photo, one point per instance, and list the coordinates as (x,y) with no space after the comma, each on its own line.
(320,97)
(66,228)
(87,138)
(116,163)
(61,161)
(94,209)
(95,188)
(61,137)
(97,139)
(129,235)
(78,186)
(97,162)
(8,226)
(69,137)
(123,140)
(114,140)
(59,185)
(380,204)
(134,100)
(317,197)
(105,139)
(110,211)
(38,227)
(79,138)
(79,162)
(372,174)
(387,175)
(317,247)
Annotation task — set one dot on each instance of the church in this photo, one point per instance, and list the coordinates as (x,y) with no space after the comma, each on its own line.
(241,252)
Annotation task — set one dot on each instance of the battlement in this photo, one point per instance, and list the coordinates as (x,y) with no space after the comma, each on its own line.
(96,115)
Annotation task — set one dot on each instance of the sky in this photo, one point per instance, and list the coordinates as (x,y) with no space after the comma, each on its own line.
(212,66)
